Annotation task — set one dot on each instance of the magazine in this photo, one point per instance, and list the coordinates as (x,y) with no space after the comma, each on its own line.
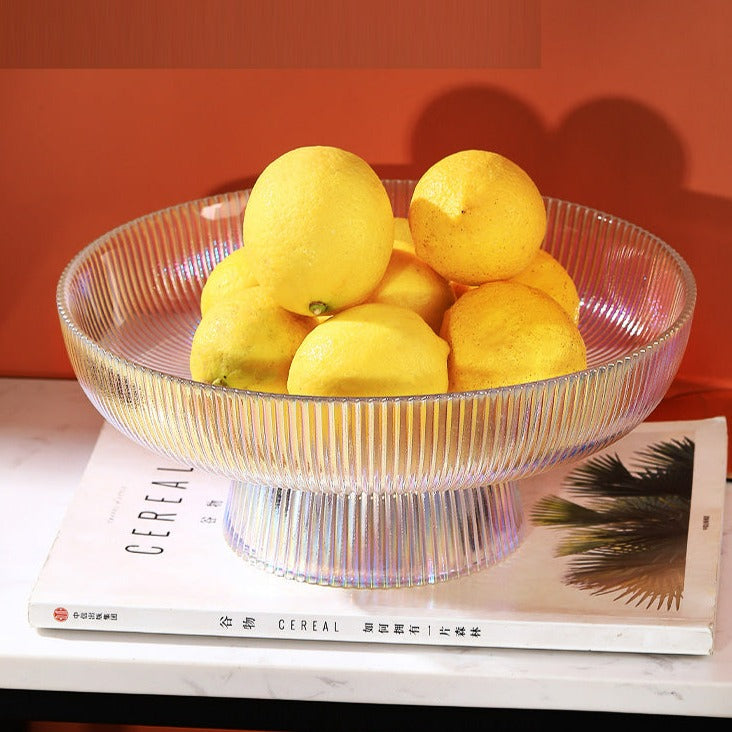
(621,553)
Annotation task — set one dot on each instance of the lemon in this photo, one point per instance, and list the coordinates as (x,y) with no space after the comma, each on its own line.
(319,227)
(247,343)
(370,350)
(227,279)
(505,333)
(547,274)
(411,283)
(402,234)
(476,216)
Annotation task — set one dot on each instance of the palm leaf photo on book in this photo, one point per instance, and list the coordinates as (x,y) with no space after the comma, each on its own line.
(628,530)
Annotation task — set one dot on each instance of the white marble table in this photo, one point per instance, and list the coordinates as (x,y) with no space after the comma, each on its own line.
(47,431)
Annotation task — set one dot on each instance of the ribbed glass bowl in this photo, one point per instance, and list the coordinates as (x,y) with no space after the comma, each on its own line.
(368,492)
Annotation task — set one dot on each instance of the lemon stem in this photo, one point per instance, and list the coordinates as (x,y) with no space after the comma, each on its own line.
(317,308)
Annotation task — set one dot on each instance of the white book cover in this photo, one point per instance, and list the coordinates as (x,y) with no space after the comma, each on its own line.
(141,549)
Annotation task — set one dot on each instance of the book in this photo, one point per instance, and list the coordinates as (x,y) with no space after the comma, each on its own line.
(141,549)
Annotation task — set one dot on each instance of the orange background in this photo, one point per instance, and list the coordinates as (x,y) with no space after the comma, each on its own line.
(620,104)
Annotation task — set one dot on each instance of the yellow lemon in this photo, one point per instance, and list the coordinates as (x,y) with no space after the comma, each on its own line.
(412,284)
(476,216)
(227,279)
(370,350)
(247,343)
(402,234)
(547,274)
(319,227)
(505,333)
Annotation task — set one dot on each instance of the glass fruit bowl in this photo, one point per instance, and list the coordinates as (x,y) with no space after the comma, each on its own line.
(368,492)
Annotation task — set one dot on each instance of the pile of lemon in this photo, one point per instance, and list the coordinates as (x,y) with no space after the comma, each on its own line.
(332,295)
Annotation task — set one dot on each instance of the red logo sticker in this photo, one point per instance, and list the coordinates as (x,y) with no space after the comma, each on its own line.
(60,614)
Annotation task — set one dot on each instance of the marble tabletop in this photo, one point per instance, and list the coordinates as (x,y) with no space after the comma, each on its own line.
(48,429)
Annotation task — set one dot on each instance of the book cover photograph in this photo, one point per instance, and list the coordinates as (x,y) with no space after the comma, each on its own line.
(621,552)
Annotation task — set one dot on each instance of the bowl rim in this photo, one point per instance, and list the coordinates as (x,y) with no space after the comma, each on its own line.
(681,321)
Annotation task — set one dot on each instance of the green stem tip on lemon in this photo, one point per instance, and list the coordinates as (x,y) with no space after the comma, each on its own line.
(318,308)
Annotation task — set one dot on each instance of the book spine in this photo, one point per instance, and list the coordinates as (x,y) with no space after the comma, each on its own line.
(598,635)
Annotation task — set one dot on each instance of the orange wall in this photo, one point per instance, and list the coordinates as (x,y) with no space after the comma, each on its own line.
(628,110)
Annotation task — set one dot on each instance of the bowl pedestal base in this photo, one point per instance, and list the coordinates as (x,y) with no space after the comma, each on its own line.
(373,541)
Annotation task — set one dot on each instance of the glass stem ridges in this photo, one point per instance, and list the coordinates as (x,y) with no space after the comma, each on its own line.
(376,540)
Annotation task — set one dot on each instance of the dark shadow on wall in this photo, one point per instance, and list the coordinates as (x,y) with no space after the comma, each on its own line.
(624,158)
(475,117)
